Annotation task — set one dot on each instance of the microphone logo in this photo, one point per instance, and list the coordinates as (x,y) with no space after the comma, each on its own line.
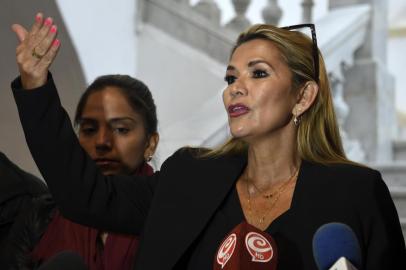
(226,250)
(259,247)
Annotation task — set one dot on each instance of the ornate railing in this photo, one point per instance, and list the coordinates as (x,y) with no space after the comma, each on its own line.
(186,22)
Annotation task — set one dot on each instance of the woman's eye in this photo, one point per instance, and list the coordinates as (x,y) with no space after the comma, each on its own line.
(230,79)
(259,73)
(121,130)
(88,130)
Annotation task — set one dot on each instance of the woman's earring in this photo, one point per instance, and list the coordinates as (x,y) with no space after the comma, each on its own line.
(149,158)
(297,119)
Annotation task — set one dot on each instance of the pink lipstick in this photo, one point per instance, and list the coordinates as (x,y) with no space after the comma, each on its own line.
(237,110)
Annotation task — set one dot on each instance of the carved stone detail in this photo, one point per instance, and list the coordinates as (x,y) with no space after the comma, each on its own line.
(272,13)
(240,21)
(209,9)
(183,1)
(352,148)
(307,11)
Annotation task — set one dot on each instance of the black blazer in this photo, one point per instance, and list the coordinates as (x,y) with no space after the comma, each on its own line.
(175,206)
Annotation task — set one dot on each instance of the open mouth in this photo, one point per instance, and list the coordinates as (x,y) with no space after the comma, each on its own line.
(237,110)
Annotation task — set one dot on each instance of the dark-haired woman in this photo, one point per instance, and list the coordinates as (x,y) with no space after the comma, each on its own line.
(254,203)
(117,126)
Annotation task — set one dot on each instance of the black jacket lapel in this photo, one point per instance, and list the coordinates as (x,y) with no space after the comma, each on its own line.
(189,193)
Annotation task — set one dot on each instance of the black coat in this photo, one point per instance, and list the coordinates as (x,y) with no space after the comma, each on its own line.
(26,232)
(17,188)
(178,207)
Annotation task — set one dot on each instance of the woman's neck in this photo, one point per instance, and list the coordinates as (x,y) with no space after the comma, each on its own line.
(272,160)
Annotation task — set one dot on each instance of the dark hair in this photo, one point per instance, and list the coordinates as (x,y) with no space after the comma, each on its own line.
(136,92)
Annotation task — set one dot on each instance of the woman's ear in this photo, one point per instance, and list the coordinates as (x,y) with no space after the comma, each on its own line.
(152,144)
(307,96)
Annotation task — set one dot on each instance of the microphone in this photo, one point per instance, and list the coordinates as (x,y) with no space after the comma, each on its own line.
(246,247)
(336,247)
(343,264)
(65,260)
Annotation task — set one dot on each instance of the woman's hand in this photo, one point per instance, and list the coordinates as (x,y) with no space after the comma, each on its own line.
(36,51)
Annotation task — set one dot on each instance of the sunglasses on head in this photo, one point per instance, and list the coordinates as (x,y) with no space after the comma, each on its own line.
(315,50)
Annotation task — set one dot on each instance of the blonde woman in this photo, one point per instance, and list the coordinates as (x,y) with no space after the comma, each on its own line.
(281,176)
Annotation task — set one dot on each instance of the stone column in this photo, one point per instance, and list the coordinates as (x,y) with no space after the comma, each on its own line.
(352,147)
(240,21)
(272,13)
(307,8)
(368,88)
(209,9)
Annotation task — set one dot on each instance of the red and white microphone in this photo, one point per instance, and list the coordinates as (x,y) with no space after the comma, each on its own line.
(246,247)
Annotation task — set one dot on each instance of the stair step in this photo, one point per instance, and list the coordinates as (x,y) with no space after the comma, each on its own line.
(399,149)
(399,198)
(394,173)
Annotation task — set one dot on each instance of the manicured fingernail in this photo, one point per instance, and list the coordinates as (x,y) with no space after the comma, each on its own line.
(38,17)
(53,29)
(48,22)
(56,43)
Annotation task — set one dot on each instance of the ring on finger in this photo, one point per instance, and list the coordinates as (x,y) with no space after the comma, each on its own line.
(36,55)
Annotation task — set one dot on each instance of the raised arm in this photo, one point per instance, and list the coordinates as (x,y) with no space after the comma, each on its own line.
(81,191)
(36,51)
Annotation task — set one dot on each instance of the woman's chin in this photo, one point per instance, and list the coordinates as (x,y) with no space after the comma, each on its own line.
(239,133)
(111,170)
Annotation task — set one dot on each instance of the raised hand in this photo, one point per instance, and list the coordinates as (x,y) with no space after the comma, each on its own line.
(36,51)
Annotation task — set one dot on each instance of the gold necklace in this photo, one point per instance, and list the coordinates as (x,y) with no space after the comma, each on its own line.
(279,192)
(270,195)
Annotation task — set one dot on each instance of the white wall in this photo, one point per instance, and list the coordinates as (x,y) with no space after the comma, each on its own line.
(103,34)
(182,81)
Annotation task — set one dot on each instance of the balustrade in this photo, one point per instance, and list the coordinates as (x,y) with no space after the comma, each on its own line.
(183,1)
(272,13)
(209,9)
(307,14)
(352,148)
(240,21)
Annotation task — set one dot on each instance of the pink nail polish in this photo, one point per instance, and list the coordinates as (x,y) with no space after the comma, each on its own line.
(56,43)
(53,29)
(38,18)
(48,22)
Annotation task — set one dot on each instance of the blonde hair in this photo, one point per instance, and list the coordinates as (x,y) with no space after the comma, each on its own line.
(318,137)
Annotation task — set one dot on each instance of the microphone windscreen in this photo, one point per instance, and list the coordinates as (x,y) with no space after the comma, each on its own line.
(65,260)
(333,241)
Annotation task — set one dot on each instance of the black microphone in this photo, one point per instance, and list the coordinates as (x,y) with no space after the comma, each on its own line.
(336,247)
(65,260)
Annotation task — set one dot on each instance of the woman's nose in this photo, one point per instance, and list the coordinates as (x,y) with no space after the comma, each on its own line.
(104,139)
(238,88)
